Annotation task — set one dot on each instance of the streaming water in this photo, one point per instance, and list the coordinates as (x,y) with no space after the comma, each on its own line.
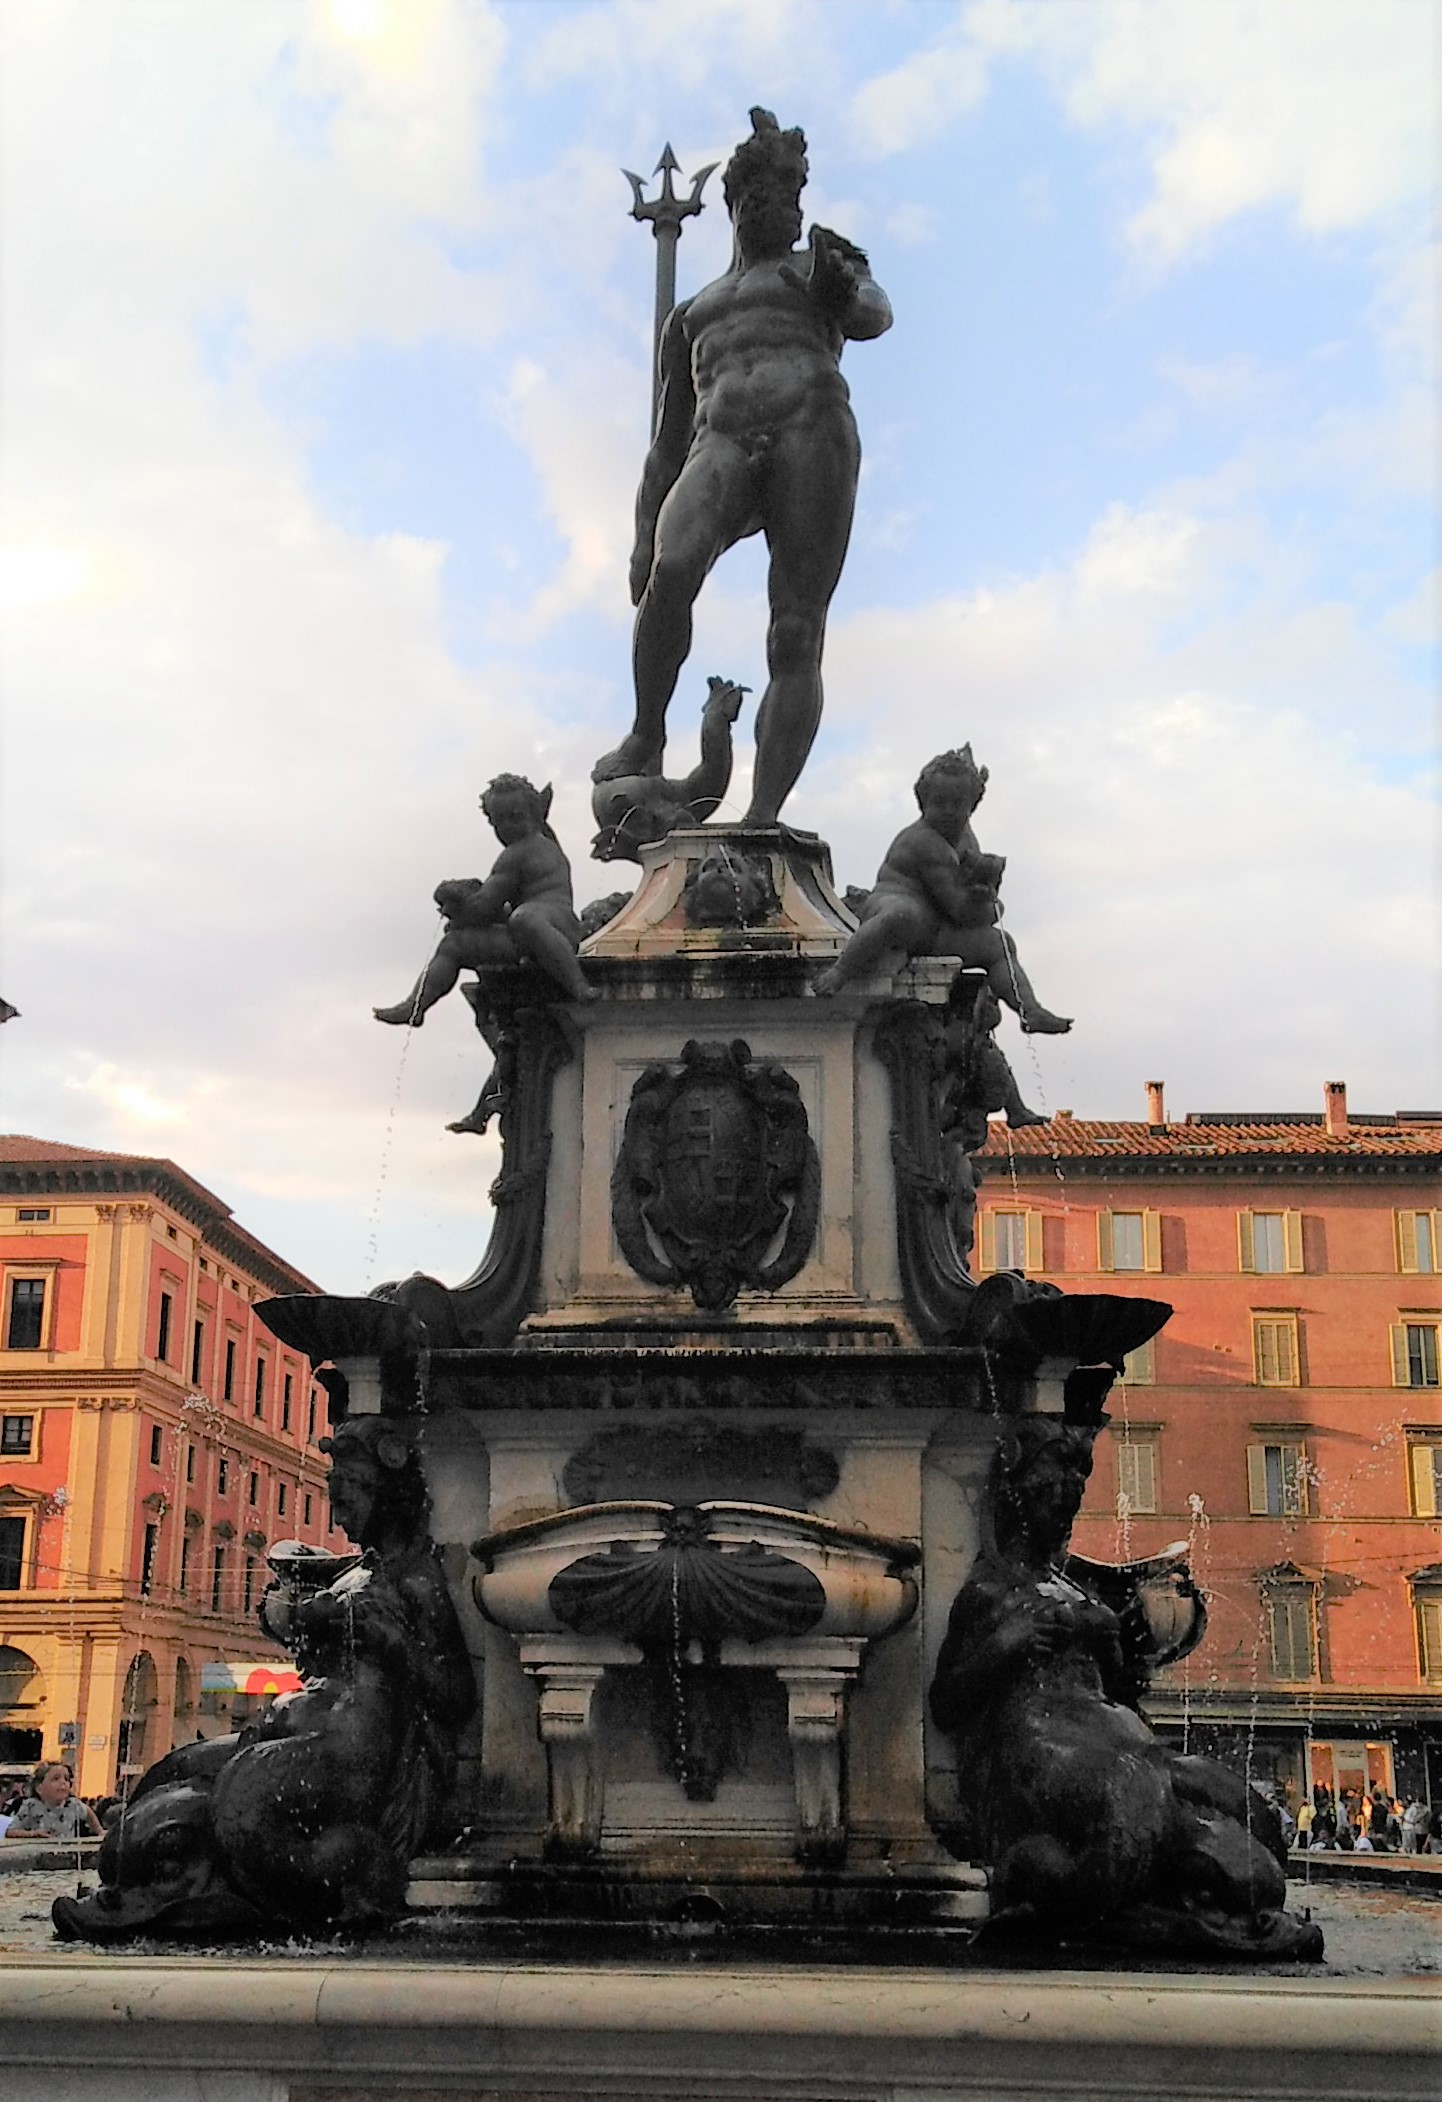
(372,1253)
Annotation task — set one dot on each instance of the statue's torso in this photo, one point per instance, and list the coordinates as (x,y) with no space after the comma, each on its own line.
(762,355)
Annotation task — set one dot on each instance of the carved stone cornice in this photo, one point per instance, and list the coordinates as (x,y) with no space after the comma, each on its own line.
(133,1180)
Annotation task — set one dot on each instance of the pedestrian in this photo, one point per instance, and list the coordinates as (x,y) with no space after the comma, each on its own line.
(1305,1816)
(1412,1815)
(52,1810)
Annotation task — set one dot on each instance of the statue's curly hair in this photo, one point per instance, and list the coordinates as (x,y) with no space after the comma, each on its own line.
(770,156)
(958,762)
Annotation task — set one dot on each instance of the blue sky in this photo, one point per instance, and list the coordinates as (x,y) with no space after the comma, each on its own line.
(326,394)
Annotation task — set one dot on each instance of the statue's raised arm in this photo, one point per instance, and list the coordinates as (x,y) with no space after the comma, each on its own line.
(754,433)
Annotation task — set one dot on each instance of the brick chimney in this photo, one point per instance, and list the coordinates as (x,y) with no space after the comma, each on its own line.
(1334,1100)
(1156,1103)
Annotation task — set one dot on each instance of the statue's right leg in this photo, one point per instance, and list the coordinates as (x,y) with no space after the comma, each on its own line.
(707,511)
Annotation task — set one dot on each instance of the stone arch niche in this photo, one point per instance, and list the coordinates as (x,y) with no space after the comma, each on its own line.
(138,1703)
(22,1706)
(183,1713)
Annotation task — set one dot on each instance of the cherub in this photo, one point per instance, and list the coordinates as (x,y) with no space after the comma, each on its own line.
(634,809)
(523,909)
(936,895)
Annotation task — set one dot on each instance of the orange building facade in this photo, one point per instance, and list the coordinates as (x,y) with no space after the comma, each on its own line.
(154,1440)
(1287,1422)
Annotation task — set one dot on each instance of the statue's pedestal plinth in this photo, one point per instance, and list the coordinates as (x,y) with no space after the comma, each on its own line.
(788,1775)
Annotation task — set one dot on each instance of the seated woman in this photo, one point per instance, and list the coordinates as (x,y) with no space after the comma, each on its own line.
(1090,1824)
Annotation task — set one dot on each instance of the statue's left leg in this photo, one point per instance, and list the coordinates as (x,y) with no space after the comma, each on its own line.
(809,500)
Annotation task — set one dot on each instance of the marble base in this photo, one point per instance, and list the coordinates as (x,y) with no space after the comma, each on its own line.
(107,2030)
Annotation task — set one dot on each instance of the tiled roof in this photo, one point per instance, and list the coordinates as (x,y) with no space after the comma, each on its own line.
(15,1147)
(35,1167)
(1208,1136)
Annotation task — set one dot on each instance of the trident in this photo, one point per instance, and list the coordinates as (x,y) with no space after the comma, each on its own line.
(665,212)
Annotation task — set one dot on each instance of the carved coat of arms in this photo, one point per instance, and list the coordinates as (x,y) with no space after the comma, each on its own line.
(716,1164)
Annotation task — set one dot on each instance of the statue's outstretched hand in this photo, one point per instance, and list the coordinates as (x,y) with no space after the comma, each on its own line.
(831,280)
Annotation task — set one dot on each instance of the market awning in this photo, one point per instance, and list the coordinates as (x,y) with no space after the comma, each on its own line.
(252,1676)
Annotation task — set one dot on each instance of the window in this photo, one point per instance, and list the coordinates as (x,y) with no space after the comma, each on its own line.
(280,1500)
(286,1396)
(162,1333)
(157,1444)
(1427,1604)
(1136,1475)
(1414,1354)
(1277,1480)
(147,1559)
(1129,1241)
(12,1553)
(190,1463)
(1424,1469)
(1269,1241)
(253,1489)
(187,1548)
(1276,1359)
(1011,1241)
(1292,1630)
(217,1579)
(1140,1366)
(310,1418)
(309,1507)
(25,1329)
(17,1436)
(33,1214)
(222,1477)
(228,1391)
(1419,1242)
(197,1352)
(249,1583)
(171,1232)
(260,1386)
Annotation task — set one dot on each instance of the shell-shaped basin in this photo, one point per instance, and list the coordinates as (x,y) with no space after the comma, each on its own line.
(865,1577)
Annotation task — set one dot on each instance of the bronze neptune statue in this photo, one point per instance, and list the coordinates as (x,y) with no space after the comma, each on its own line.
(754,435)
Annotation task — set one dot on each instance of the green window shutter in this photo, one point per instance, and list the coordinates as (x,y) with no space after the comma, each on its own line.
(987,1225)
(1292,1231)
(1401,1372)
(1406,1242)
(1257,1480)
(1152,1242)
(1035,1252)
(1429,1637)
(1137,1475)
(1246,1260)
(1424,1481)
(1104,1241)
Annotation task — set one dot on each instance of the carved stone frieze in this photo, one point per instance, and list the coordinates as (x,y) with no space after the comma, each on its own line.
(684,1462)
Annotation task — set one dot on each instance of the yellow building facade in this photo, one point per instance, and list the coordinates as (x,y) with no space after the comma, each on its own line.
(155,1440)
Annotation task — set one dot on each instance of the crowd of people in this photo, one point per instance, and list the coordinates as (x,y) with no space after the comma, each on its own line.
(1358,1821)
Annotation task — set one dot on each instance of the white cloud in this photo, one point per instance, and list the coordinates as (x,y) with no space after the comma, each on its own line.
(1326,108)
(1212,864)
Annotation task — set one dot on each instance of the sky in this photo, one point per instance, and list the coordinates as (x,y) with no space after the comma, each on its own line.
(325,394)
